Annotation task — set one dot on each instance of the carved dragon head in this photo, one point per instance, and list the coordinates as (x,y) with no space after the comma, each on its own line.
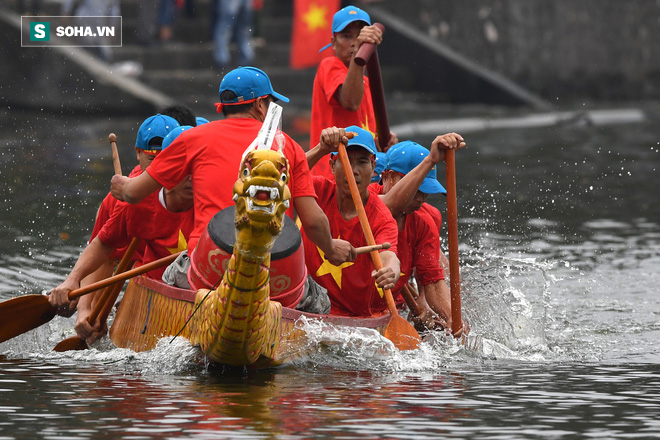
(261,194)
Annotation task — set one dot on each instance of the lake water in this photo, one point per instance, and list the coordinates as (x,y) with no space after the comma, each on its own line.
(560,249)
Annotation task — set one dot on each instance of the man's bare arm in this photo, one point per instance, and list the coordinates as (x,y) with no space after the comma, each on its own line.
(95,254)
(133,190)
(397,198)
(350,93)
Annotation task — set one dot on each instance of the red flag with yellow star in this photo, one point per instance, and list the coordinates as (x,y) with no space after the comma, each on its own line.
(312,29)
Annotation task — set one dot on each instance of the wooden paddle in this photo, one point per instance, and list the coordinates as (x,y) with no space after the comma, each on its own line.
(115,154)
(399,331)
(376,247)
(367,54)
(408,297)
(452,231)
(104,305)
(22,314)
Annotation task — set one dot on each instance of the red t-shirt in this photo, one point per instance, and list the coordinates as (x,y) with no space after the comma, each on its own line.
(434,213)
(376,188)
(161,232)
(105,211)
(419,248)
(212,153)
(327,112)
(351,289)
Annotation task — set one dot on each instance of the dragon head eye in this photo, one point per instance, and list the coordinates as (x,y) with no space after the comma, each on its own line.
(246,172)
(283,177)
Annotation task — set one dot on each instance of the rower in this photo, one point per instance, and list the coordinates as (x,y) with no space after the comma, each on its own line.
(352,291)
(148,144)
(409,177)
(162,222)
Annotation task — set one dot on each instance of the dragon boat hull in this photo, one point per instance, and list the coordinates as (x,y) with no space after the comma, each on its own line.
(151,309)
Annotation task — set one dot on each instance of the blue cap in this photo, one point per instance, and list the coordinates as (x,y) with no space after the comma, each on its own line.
(361,138)
(248,83)
(154,126)
(405,156)
(346,16)
(381,161)
(201,120)
(174,134)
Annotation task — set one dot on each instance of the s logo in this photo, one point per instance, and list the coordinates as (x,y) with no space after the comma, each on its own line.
(40,31)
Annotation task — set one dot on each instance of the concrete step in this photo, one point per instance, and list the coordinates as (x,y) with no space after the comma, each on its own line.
(181,84)
(275,29)
(176,55)
(187,30)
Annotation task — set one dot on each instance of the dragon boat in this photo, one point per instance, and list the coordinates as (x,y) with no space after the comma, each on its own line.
(234,312)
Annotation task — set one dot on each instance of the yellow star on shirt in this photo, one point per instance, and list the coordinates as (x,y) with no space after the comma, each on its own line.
(182,245)
(328,268)
(315,17)
(365,126)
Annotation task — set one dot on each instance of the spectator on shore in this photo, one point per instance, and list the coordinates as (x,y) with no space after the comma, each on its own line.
(233,17)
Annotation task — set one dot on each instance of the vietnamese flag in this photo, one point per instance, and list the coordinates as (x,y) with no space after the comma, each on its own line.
(312,29)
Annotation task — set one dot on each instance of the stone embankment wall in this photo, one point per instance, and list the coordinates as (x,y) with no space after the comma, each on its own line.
(560,49)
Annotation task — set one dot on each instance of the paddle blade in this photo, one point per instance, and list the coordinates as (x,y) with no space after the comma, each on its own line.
(72,343)
(402,333)
(22,314)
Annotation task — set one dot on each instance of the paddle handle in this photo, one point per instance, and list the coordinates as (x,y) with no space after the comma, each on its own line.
(408,297)
(367,49)
(364,222)
(452,232)
(110,301)
(77,293)
(115,154)
(109,296)
(367,54)
(378,100)
(123,264)
(99,304)
(376,247)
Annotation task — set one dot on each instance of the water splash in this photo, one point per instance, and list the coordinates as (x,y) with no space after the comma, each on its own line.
(506,302)
(505,299)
